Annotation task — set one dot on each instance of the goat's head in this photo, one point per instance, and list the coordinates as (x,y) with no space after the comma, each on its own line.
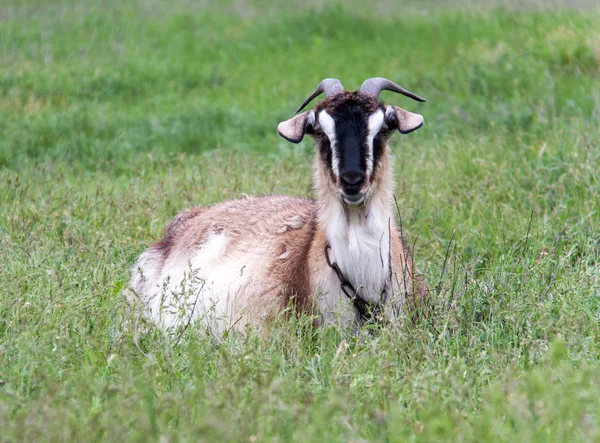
(351,130)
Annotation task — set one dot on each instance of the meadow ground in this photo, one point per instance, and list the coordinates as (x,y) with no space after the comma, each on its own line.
(114,115)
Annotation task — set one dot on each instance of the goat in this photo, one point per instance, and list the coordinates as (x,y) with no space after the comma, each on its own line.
(340,257)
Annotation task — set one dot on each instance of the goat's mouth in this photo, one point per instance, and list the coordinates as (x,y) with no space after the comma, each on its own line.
(353,194)
(354,200)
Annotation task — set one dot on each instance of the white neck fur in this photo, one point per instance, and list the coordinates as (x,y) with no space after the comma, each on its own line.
(359,237)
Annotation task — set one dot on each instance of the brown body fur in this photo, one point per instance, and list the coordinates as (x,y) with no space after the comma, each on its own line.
(286,232)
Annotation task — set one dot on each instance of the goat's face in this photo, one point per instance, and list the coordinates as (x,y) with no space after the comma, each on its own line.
(351,131)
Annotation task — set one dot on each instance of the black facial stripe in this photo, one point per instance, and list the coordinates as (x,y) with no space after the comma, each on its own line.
(351,127)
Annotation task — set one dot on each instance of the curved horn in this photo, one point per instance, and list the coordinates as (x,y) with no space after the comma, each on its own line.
(329,86)
(374,86)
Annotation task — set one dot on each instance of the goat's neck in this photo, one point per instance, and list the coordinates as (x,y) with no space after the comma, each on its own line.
(359,237)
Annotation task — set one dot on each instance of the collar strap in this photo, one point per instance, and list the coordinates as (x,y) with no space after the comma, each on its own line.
(366,310)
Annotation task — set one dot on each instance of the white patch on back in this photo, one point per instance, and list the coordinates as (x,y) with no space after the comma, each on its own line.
(204,287)
(328,127)
(375,123)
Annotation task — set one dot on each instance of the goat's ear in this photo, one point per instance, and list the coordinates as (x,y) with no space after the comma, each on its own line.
(404,121)
(293,130)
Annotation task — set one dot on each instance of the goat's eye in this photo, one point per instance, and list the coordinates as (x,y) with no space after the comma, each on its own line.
(318,133)
(383,132)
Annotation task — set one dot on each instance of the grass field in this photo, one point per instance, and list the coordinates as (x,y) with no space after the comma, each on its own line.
(114,115)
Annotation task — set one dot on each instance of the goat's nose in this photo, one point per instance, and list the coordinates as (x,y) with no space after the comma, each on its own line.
(352,178)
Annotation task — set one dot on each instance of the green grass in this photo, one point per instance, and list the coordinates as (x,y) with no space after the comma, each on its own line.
(114,115)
